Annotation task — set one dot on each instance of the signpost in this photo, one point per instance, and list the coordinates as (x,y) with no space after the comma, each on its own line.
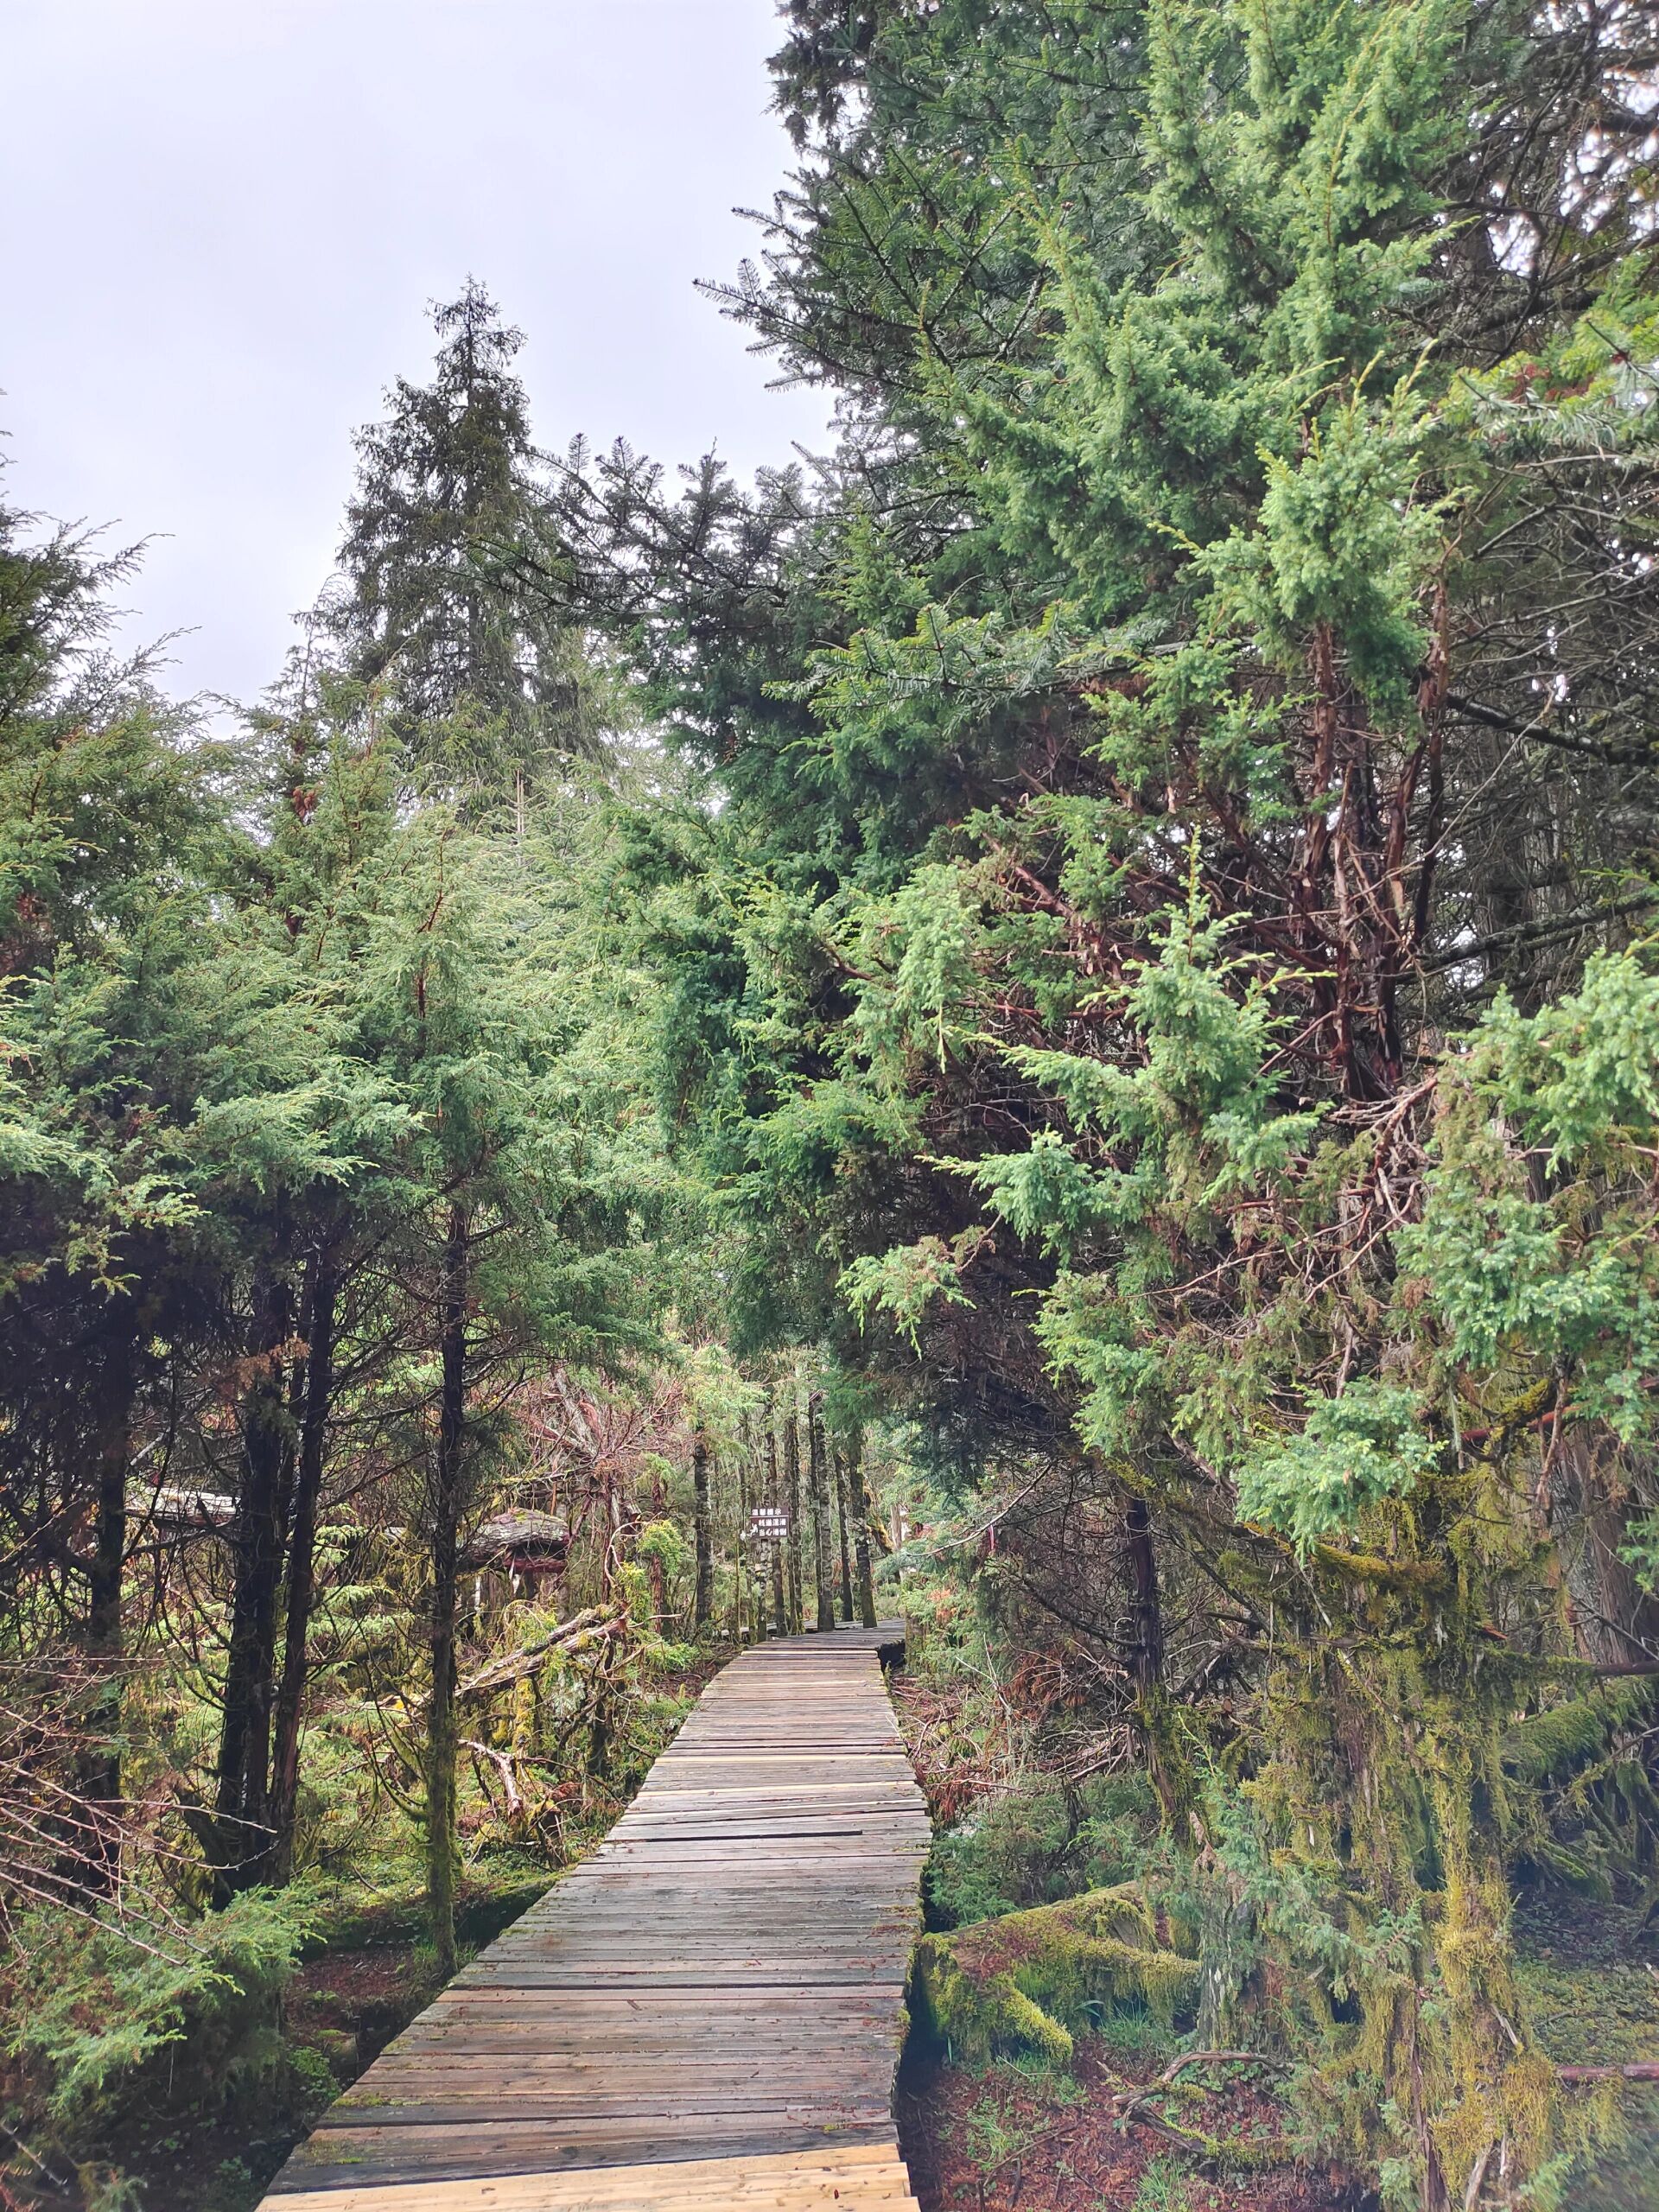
(768,1528)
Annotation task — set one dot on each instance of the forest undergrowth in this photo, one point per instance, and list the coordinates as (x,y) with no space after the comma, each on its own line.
(1037,1808)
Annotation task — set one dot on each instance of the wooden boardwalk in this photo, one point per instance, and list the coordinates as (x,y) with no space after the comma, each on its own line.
(706,2014)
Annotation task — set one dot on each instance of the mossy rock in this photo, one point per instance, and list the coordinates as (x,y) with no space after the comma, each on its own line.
(1030,1980)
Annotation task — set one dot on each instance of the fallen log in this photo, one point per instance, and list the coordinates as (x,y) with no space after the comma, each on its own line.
(584,1629)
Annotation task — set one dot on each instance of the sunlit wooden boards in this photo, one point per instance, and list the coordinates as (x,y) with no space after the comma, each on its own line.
(706,2012)
(863,2176)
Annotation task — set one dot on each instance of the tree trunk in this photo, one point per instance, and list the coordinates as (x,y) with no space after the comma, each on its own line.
(817,1478)
(322,1294)
(775,1498)
(796,1565)
(740,1548)
(838,1460)
(1147,1609)
(446,1522)
(703,1601)
(241,1835)
(1615,1621)
(653,1565)
(862,1540)
(92,1863)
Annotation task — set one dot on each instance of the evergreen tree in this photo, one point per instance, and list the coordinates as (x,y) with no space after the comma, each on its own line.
(451,591)
(111,834)
(1079,984)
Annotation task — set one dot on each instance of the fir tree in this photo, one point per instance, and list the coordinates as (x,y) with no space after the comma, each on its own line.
(452,589)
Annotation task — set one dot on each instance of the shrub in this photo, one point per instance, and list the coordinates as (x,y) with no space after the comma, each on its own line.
(102,2029)
(1039,1846)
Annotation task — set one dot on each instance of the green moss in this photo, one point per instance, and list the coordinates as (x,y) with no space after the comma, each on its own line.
(1551,1745)
(1029,1980)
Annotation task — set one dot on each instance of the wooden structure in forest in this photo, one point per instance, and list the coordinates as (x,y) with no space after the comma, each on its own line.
(706,2014)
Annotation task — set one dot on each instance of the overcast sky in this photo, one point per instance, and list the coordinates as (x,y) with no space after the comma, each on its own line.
(221,222)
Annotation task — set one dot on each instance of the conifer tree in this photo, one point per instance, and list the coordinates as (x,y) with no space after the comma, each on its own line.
(1181,779)
(112,831)
(450,588)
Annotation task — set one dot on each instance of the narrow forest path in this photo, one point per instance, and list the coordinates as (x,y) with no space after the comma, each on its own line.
(706,2014)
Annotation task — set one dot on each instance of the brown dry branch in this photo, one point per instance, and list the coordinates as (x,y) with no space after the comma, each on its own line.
(594,1625)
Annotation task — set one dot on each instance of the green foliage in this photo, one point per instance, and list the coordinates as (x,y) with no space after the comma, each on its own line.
(1162,2188)
(1029,1980)
(1134,955)
(664,1542)
(1035,1846)
(107,2020)
(1567,1277)
(1351,1452)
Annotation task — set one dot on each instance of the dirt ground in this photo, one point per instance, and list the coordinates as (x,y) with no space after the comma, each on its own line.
(1013,2137)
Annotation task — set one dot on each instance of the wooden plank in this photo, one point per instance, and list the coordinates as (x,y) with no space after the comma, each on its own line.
(856,2176)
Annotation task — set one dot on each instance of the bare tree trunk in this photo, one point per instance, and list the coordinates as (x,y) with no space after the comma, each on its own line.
(322,1294)
(653,1565)
(703,1601)
(838,1460)
(817,1478)
(861,1539)
(775,1498)
(241,1835)
(740,1550)
(92,1862)
(793,1508)
(1147,1609)
(447,1489)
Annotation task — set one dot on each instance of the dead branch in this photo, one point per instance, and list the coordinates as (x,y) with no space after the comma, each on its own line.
(576,1634)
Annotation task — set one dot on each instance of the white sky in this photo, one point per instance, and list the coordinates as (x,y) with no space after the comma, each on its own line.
(221,220)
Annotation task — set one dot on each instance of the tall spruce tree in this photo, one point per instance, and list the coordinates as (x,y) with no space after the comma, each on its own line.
(452,591)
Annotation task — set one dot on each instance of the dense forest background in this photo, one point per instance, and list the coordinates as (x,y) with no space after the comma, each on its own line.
(1064,995)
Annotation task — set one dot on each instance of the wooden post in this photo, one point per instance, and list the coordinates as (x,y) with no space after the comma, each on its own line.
(818,1480)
